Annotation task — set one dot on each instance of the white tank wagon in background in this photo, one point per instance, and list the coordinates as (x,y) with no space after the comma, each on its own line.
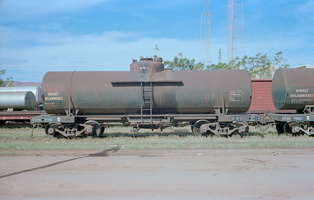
(16,98)
(35,89)
(22,100)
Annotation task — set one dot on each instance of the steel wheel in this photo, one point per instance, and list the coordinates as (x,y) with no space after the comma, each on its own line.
(287,129)
(280,128)
(49,130)
(244,129)
(196,129)
(97,129)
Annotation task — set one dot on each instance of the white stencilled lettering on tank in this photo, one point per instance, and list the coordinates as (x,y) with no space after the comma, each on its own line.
(53,93)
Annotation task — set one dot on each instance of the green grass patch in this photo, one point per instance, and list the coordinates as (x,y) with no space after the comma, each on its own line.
(18,139)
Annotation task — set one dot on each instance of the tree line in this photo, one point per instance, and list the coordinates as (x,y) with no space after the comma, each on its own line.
(260,66)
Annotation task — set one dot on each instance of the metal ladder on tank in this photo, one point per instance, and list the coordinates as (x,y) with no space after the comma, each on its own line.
(147,103)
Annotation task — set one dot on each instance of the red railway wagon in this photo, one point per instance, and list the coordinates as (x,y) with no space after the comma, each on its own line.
(262,99)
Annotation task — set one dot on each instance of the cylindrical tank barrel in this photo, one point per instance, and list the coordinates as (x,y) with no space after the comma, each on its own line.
(17,100)
(293,89)
(35,89)
(124,92)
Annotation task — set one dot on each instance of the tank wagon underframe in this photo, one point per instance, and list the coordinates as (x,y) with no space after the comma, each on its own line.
(201,124)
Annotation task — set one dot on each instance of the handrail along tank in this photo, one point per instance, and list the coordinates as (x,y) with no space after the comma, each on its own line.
(121,92)
(293,89)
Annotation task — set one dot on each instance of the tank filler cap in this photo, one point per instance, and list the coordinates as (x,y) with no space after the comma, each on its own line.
(146,59)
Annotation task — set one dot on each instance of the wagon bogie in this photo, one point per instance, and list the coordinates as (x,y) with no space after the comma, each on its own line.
(90,128)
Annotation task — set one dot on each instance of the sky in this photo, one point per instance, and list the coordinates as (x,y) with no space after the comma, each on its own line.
(37,36)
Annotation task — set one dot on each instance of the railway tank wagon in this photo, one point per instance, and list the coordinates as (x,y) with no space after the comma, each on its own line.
(17,100)
(148,96)
(293,89)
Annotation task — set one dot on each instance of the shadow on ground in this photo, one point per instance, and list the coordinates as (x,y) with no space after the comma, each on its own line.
(104,153)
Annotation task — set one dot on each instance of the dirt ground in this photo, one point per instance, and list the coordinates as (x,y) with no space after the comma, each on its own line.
(159,174)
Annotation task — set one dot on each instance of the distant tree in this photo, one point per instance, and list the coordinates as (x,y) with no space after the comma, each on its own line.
(219,66)
(2,83)
(181,63)
(260,66)
(7,82)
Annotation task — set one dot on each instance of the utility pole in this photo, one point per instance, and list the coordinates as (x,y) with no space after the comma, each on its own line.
(231,47)
(156,49)
(219,57)
(235,14)
(205,33)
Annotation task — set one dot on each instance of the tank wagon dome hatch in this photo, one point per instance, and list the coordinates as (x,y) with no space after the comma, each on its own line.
(147,65)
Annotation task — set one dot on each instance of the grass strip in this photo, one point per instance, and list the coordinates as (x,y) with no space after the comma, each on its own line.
(19,139)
